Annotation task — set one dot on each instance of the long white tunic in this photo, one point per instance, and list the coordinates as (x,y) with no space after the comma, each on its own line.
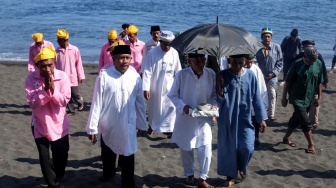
(191,132)
(158,77)
(117,110)
(262,85)
(148,46)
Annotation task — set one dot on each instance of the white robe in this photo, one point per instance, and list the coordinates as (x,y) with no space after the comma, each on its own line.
(262,85)
(158,77)
(117,110)
(148,46)
(192,132)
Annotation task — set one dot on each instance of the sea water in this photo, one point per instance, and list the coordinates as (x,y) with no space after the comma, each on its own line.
(89,21)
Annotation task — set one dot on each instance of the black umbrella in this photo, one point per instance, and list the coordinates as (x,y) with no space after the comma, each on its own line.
(217,40)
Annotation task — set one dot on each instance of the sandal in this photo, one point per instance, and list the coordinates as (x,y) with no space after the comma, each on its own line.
(315,126)
(312,151)
(243,176)
(289,142)
(189,181)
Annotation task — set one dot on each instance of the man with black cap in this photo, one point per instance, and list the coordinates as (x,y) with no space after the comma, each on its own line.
(290,47)
(162,63)
(304,78)
(193,86)
(238,93)
(314,110)
(117,111)
(124,34)
(152,43)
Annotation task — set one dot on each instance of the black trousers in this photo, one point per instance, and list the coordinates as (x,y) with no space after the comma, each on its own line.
(300,118)
(54,169)
(256,127)
(109,167)
(75,98)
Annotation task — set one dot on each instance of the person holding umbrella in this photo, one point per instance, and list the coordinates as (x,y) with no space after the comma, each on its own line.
(238,93)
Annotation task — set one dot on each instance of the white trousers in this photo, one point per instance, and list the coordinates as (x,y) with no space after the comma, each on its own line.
(204,159)
(271,100)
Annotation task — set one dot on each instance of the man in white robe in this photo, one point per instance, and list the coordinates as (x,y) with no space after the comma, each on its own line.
(162,63)
(150,44)
(263,91)
(193,86)
(117,111)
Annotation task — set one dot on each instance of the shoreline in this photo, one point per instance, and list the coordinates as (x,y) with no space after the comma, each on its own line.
(22,63)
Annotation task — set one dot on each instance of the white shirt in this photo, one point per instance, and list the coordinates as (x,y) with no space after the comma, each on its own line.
(117,110)
(262,85)
(158,77)
(223,63)
(191,132)
(148,46)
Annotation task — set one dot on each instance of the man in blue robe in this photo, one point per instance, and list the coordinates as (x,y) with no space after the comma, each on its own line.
(238,92)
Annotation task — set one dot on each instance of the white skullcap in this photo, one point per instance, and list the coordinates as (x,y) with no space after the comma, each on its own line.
(167,36)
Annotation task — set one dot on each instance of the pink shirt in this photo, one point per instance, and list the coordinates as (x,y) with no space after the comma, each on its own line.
(69,60)
(105,56)
(49,116)
(33,51)
(137,50)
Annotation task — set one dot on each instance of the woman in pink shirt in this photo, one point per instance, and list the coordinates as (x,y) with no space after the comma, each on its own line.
(48,92)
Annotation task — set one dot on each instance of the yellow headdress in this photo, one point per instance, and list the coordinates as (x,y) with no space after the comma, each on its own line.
(119,42)
(38,37)
(62,34)
(133,29)
(112,35)
(46,53)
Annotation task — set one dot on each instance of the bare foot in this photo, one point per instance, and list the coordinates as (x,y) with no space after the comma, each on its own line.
(229,183)
(202,183)
(331,71)
(311,149)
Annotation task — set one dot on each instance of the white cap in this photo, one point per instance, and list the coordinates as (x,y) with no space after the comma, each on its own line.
(167,36)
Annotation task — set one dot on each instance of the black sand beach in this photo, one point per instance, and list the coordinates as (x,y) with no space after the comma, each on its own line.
(158,162)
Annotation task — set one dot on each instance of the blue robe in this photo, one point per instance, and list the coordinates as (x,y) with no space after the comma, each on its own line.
(235,129)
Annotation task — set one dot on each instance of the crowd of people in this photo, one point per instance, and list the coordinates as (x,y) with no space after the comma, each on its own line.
(142,83)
